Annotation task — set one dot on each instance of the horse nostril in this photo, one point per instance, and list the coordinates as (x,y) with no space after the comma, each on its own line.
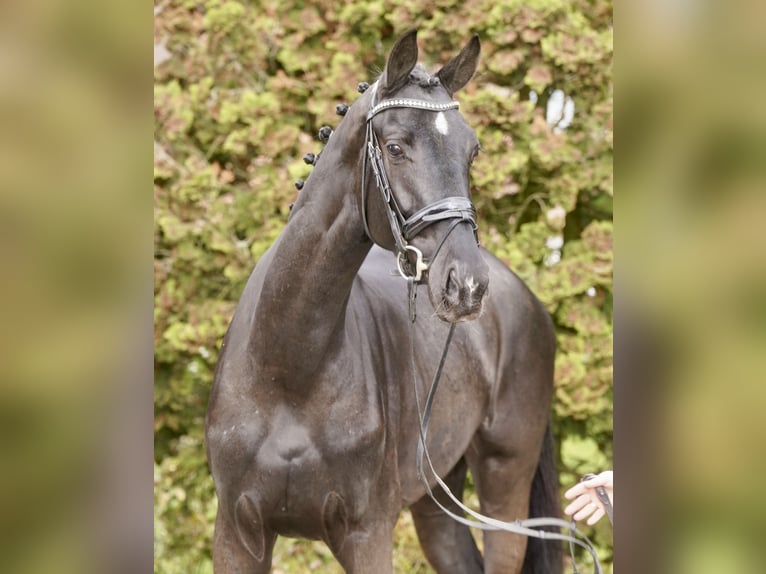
(452,287)
(478,290)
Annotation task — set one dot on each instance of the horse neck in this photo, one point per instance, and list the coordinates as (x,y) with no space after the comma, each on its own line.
(301,308)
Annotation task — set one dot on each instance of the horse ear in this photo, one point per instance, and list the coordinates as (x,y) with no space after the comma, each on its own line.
(461,69)
(401,61)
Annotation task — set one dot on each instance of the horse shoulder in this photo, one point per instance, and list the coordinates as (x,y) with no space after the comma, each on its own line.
(516,307)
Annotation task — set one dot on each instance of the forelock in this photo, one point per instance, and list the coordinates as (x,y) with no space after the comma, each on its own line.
(423,79)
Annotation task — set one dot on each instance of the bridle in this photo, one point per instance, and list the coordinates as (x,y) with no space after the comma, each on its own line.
(404,228)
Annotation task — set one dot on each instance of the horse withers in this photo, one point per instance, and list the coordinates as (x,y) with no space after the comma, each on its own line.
(312,428)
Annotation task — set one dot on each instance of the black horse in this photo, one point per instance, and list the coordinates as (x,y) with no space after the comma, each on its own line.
(312,429)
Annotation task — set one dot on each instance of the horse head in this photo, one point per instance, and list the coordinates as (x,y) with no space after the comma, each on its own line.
(416,190)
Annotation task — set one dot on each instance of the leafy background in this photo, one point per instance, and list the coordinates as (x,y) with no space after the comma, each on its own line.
(241,89)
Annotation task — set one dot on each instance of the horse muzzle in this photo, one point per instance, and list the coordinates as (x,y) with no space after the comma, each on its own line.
(459,294)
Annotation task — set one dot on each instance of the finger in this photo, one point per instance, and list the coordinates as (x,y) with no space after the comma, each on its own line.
(607,487)
(584,513)
(596,516)
(594,482)
(577,504)
(576,490)
(603,479)
(587,510)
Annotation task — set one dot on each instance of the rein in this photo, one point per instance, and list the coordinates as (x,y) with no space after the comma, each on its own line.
(529,527)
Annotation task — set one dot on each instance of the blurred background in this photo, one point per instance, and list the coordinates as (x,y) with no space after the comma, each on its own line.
(105,472)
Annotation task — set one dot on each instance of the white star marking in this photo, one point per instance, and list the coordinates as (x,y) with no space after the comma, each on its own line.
(441,124)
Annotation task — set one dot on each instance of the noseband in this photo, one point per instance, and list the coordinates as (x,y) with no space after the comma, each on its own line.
(404,229)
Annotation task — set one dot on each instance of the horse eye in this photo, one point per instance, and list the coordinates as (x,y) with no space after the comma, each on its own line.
(395,149)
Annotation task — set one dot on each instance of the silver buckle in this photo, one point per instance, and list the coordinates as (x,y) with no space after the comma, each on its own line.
(420,265)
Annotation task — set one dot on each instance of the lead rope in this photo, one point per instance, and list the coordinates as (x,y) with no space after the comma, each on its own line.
(528,527)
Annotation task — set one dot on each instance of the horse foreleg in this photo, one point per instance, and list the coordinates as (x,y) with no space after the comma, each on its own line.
(448,545)
(242,546)
(368,550)
(503,484)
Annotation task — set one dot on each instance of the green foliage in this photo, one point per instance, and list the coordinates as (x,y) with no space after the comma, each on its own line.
(239,103)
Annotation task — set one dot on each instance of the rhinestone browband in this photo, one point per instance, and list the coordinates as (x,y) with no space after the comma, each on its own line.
(410,103)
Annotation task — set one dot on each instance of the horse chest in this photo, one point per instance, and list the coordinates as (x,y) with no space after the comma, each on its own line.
(322,427)
(328,442)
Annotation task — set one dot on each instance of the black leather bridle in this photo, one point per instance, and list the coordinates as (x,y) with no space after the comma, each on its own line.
(404,228)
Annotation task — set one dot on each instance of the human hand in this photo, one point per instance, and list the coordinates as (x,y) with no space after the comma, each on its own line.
(586,502)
